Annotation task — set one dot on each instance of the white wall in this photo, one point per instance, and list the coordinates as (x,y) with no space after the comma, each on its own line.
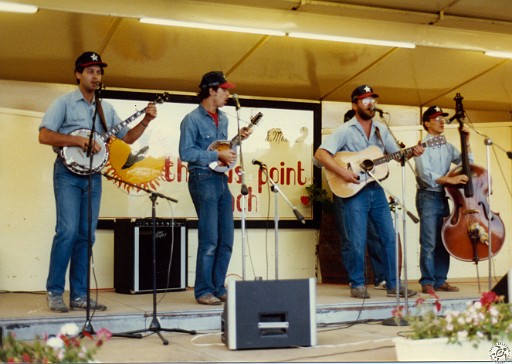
(27,225)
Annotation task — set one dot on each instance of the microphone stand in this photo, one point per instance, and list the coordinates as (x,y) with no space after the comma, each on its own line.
(87,328)
(154,326)
(403,160)
(243,190)
(298,215)
(392,321)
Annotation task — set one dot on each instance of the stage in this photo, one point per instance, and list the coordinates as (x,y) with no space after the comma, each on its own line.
(338,337)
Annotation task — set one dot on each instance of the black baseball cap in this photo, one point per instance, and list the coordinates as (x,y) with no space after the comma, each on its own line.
(87,59)
(363,91)
(214,79)
(433,112)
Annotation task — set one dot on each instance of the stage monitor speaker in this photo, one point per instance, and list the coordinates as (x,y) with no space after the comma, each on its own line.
(502,288)
(270,314)
(133,255)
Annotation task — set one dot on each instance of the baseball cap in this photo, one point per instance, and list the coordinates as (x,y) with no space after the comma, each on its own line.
(432,112)
(87,59)
(215,78)
(363,91)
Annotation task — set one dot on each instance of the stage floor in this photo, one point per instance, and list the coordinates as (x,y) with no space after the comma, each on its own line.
(27,315)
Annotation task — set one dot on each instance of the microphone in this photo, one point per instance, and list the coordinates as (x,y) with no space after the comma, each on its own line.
(257,162)
(380,111)
(99,89)
(299,216)
(237,103)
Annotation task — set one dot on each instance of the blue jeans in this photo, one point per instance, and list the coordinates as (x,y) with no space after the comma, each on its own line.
(354,214)
(374,247)
(214,206)
(70,243)
(434,259)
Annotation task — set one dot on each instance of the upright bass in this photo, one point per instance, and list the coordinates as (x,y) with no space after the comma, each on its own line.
(465,232)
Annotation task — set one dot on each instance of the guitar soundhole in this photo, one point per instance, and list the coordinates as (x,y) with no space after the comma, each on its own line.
(367,165)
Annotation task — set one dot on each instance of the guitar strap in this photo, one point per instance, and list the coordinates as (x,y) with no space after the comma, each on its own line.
(100,113)
(377,131)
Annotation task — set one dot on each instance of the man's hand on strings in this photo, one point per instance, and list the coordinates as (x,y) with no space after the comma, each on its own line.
(245,132)
(227,156)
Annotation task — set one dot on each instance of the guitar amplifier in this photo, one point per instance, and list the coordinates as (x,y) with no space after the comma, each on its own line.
(133,255)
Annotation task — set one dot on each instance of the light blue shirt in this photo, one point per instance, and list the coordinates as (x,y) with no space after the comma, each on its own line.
(71,111)
(198,131)
(351,137)
(436,162)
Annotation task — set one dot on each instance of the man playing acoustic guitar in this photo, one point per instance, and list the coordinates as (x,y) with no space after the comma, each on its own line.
(67,114)
(369,202)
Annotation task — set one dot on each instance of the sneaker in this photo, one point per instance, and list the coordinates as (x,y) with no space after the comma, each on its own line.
(359,292)
(56,302)
(208,299)
(380,285)
(81,304)
(392,292)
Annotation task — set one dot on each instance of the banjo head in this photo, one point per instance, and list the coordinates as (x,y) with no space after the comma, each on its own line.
(77,161)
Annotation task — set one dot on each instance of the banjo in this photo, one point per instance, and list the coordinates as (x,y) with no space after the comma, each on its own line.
(219,145)
(77,161)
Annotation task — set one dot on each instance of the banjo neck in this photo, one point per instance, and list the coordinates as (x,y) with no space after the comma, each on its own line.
(116,129)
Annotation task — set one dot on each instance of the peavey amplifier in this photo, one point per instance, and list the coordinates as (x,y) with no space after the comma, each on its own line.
(133,255)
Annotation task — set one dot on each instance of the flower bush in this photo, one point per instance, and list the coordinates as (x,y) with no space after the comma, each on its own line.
(66,347)
(488,319)
(317,194)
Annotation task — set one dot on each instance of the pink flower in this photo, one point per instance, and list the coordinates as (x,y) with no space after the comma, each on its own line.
(104,333)
(488,298)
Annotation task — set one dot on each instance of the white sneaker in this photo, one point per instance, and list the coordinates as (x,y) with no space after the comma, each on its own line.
(380,286)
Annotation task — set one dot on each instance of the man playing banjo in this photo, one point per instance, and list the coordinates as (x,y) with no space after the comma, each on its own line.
(67,114)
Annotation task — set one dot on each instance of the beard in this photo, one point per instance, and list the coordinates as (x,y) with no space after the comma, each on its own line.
(365,114)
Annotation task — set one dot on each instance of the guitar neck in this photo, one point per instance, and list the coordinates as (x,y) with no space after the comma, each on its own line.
(387,157)
(236,138)
(116,129)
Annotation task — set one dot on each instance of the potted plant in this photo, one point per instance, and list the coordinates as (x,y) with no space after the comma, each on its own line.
(482,331)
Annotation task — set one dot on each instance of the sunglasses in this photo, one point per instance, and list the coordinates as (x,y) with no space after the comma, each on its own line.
(438,119)
(368,100)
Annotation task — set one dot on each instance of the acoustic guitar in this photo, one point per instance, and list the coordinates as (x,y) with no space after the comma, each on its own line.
(370,159)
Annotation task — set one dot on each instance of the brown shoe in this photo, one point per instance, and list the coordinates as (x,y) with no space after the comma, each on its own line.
(427,288)
(208,299)
(223,298)
(446,287)
(359,292)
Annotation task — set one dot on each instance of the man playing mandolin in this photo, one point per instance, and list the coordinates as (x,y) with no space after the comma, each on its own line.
(369,203)
(67,114)
(209,188)
(432,203)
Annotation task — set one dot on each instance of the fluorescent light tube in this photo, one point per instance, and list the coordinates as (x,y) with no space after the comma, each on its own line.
(17,8)
(499,54)
(335,38)
(228,28)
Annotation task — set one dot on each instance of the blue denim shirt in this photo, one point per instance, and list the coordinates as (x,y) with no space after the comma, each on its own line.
(71,111)
(350,137)
(198,131)
(435,162)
